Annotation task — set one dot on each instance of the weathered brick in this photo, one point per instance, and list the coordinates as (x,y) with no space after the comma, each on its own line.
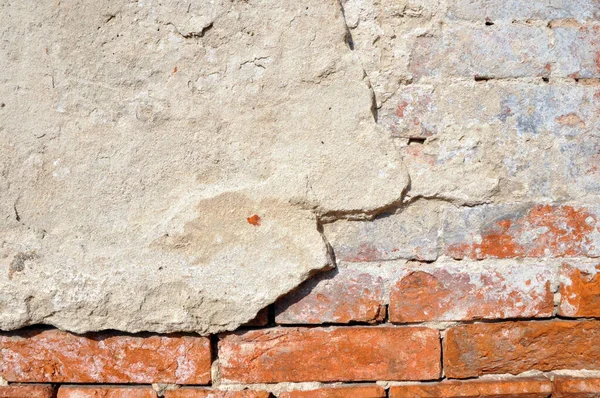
(503,141)
(579,290)
(577,51)
(510,10)
(482,290)
(410,234)
(515,231)
(105,392)
(349,293)
(26,391)
(357,391)
(516,347)
(539,387)
(330,354)
(61,357)
(499,51)
(528,109)
(408,119)
(206,393)
(576,387)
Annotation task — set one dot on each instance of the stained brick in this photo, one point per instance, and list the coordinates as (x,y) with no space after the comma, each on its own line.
(510,10)
(516,347)
(499,51)
(61,357)
(577,50)
(342,295)
(580,290)
(330,354)
(514,231)
(576,387)
(518,388)
(507,141)
(371,391)
(206,393)
(105,392)
(25,391)
(488,290)
(410,234)
(560,110)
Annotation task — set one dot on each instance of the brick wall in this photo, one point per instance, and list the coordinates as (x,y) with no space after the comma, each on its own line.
(486,286)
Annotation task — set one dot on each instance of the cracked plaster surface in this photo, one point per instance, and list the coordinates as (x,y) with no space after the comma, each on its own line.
(165,165)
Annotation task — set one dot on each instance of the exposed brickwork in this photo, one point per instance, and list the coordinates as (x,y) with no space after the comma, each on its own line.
(517,347)
(60,357)
(579,291)
(26,391)
(338,392)
(523,231)
(576,387)
(500,51)
(343,295)
(206,393)
(106,392)
(458,292)
(494,108)
(518,388)
(330,354)
(409,234)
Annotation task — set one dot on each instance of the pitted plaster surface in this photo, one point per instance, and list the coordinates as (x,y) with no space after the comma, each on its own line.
(164,164)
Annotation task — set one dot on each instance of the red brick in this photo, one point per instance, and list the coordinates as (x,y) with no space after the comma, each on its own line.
(517,347)
(25,391)
(330,354)
(579,291)
(342,295)
(538,387)
(510,231)
(105,392)
(61,357)
(206,393)
(575,387)
(495,289)
(371,391)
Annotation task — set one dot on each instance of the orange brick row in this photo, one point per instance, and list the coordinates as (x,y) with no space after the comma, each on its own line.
(452,292)
(303,354)
(528,387)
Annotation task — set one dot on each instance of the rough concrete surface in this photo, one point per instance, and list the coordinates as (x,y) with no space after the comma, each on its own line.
(164,164)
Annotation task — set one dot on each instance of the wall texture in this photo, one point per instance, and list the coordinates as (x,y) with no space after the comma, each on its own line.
(407,190)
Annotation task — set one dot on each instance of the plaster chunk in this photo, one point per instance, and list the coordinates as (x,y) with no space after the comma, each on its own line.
(164,167)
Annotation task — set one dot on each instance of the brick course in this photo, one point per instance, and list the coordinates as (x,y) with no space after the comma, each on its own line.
(207,393)
(338,392)
(518,388)
(106,392)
